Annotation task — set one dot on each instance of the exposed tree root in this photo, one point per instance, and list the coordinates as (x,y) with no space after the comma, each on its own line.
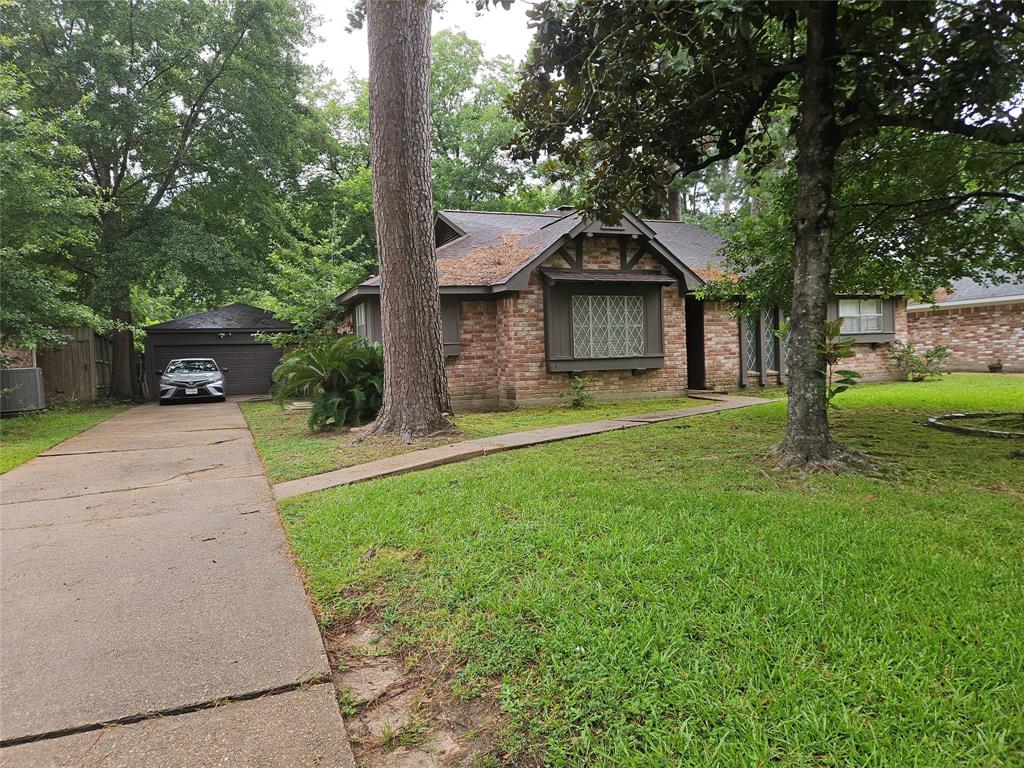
(402,434)
(838,458)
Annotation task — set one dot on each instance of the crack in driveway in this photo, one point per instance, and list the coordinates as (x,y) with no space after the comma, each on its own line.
(140,717)
(51,454)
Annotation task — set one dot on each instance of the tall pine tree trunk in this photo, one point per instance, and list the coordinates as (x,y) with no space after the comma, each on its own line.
(415,386)
(807,434)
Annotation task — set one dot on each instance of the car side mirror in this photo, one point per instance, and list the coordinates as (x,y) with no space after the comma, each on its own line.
(224,370)
(160,372)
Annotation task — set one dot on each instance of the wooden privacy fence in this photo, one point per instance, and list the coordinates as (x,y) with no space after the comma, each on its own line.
(78,370)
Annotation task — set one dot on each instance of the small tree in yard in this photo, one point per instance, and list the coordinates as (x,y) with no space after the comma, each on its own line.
(835,349)
(918,366)
(620,91)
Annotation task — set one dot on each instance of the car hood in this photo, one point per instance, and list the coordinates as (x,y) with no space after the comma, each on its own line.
(193,377)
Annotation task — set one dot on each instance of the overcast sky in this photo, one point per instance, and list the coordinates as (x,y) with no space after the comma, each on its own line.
(501,32)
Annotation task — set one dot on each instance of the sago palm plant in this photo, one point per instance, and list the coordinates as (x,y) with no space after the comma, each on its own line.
(342,375)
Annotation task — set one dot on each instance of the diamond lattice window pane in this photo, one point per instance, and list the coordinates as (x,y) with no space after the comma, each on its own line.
(750,344)
(771,363)
(607,326)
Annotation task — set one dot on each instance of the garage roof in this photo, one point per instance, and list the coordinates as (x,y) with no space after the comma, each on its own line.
(233,317)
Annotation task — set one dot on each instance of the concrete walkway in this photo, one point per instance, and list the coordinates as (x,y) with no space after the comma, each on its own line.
(468,449)
(151,612)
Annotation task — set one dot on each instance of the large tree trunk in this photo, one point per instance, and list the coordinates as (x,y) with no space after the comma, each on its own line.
(122,372)
(675,204)
(807,434)
(122,369)
(415,386)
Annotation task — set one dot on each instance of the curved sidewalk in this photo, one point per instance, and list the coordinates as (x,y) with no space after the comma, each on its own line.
(469,449)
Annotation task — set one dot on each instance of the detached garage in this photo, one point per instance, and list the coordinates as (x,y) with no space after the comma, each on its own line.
(226,335)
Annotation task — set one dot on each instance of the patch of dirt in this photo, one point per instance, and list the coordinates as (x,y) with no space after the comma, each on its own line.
(402,714)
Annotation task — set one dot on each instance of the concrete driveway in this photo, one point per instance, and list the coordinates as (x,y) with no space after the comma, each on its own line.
(147,585)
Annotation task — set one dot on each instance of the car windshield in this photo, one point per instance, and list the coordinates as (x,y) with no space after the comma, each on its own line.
(191,366)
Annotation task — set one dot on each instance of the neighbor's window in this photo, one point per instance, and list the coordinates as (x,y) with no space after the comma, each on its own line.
(607,326)
(861,315)
(359,324)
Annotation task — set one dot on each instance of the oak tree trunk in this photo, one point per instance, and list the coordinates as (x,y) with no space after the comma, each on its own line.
(122,368)
(122,371)
(415,386)
(807,434)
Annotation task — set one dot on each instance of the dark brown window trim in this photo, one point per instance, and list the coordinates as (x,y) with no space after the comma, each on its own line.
(572,364)
(558,331)
(869,338)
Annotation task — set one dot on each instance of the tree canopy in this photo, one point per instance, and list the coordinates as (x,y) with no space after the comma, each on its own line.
(195,117)
(626,94)
(43,216)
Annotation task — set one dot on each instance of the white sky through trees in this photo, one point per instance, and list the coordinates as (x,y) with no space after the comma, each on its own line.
(502,33)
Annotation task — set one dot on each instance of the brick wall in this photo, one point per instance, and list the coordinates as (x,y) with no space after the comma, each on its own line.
(975,336)
(721,346)
(473,375)
(523,377)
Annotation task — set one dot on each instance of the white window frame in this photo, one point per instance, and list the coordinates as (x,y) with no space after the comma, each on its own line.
(596,338)
(359,319)
(860,316)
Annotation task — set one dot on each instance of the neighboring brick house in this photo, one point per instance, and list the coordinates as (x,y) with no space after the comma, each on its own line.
(979,324)
(529,300)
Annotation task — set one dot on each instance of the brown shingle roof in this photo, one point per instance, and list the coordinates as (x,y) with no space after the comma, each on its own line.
(497,245)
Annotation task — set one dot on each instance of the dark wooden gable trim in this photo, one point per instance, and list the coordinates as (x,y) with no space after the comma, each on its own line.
(567,258)
(641,252)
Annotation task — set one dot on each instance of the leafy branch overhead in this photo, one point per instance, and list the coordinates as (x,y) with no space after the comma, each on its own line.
(617,92)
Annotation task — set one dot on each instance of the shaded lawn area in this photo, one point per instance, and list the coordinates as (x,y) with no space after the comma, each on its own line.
(289,450)
(659,596)
(25,436)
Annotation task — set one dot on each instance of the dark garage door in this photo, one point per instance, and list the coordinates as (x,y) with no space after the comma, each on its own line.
(250,365)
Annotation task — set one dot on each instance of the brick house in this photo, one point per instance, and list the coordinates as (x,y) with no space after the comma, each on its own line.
(529,300)
(980,324)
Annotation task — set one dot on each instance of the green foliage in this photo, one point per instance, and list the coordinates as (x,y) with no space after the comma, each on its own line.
(45,215)
(915,365)
(835,348)
(623,92)
(580,392)
(308,274)
(470,129)
(197,118)
(914,213)
(343,375)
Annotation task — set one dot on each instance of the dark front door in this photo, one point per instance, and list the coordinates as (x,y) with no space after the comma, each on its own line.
(695,373)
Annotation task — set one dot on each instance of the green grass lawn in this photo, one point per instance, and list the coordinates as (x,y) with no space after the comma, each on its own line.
(26,436)
(290,450)
(660,596)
